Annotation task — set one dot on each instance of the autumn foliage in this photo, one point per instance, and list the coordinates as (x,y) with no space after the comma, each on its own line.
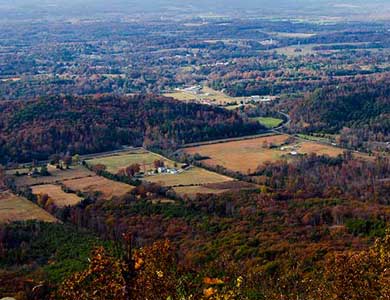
(102,280)
(154,274)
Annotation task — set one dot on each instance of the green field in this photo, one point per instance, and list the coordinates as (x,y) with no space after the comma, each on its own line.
(268,121)
(116,162)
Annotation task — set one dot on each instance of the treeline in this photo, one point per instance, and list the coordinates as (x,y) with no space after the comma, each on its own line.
(322,176)
(342,208)
(360,111)
(37,129)
(282,238)
(154,272)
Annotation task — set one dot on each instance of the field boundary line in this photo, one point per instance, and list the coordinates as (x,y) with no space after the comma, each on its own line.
(221,141)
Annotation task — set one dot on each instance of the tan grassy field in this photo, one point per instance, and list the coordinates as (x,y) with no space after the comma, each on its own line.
(14,208)
(290,51)
(207,93)
(108,188)
(192,191)
(119,161)
(57,175)
(241,155)
(56,194)
(319,149)
(293,34)
(213,188)
(192,176)
(246,155)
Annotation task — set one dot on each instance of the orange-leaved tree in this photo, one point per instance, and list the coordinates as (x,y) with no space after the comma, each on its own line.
(150,273)
(357,275)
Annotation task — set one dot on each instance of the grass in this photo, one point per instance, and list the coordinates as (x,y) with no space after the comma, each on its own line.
(293,34)
(56,176)
(313,138)
(246,155)
(56,194)
(213,188)
(192,191)
(290,51)
(108,188)
(319,149)
(117,162)
(241,156)
(192,176)
(268,121)
(207,93)
(14,208)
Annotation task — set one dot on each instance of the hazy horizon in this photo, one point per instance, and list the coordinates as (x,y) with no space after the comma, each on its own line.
(263,8)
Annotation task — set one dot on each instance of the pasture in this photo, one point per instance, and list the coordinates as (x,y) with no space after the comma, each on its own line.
(298,50)
(56,176)
(243,155)
(192,176)
(206,94)
(213,188)
(246,155)
(189,181)
(116,162)
(108,188)
(268,121)
(56,194)
(192,191)
(14,208)
(319,149)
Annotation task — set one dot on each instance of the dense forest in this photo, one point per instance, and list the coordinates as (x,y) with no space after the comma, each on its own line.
(360,111)
(280,239)
(36,129)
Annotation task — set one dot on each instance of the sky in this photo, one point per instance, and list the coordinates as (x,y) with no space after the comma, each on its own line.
(68,8)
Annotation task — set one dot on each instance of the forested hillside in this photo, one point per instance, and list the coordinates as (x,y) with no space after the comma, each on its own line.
(360,111)
(36,129)
(303,234)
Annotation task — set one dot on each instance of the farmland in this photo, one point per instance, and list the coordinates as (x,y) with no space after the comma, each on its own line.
(212,188)
(191,180)
(268,121)
(116,162)
(76,178)
(205,94)
(230,155)
(257,151)
(14,208)
(192,176)
(320,149)
(56,194)
(56,176)
(192,191)
(106,187)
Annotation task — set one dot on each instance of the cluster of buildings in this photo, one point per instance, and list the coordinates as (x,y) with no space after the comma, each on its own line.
(293,150)
(196,89)
(258,99)
(166,170)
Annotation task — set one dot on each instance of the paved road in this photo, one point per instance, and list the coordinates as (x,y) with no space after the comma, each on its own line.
(285,124)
